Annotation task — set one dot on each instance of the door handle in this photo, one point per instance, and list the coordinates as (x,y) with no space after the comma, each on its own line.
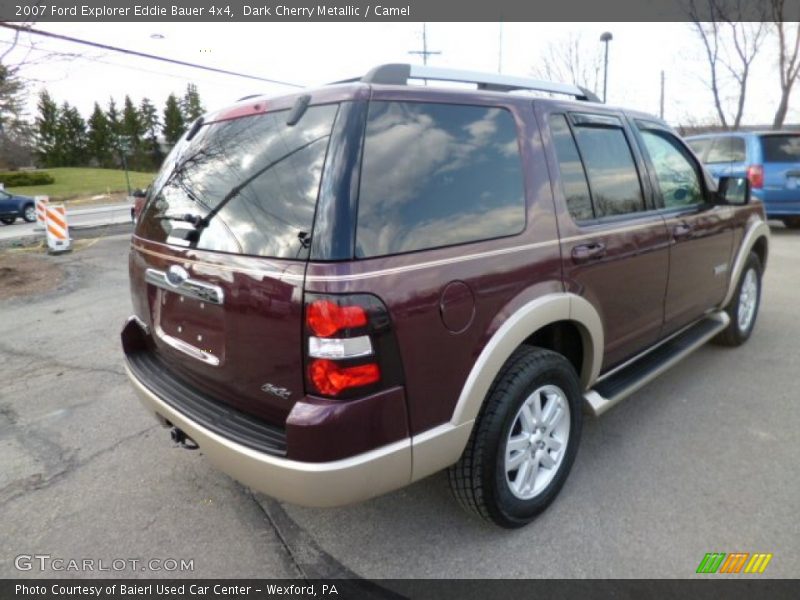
(587,252)
(681,230)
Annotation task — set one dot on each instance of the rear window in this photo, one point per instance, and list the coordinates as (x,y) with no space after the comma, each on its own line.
(278,168)
(437,175)
(781,148)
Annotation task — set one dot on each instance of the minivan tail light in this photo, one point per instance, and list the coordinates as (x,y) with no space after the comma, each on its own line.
(350,348)
(755,175)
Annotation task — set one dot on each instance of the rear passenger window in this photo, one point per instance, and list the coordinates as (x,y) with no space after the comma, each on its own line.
(436,175)
(613,178)
(573,177)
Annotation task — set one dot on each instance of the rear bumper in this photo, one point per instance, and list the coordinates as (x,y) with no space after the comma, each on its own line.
(319,484)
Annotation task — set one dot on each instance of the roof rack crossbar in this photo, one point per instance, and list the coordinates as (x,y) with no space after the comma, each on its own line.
(399,74)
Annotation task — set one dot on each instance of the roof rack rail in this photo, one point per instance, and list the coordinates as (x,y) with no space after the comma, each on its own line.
(399,74)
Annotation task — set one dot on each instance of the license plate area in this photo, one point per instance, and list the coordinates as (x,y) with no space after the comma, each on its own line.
(191,326)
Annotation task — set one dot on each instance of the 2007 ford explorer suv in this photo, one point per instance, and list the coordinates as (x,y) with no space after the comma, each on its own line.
(342,291)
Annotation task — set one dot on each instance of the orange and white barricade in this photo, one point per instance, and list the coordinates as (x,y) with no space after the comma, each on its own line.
(41,203)
(57,230)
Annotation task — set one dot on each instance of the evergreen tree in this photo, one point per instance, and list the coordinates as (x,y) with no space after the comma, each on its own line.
(72,138)
(100,139)
(131,127)
(174,124)
(16,134)
(47,133)
(114,119)
(191,105)
(148,115)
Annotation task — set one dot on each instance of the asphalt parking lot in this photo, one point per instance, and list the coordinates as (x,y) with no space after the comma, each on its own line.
(704,459)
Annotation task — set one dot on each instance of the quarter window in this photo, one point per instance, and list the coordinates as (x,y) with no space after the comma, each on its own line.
(700,146)
(437,175)
(726,149)
(675,171)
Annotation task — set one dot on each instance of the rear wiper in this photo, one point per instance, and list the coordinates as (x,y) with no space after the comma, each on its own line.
(187,217)
(202,223)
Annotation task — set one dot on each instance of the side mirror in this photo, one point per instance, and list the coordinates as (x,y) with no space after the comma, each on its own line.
(733,190)
(139,193)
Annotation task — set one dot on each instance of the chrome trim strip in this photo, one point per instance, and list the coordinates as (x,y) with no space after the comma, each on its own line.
(598,404)
(187,348)
(205,292)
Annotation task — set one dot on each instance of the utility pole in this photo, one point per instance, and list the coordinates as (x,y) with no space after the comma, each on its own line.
(661,111)
(500,49)
(605,38)
(425,53)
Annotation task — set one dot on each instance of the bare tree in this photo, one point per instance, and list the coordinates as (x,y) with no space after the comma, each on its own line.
(731,44)
(19,52)
(569,61)
(788,47)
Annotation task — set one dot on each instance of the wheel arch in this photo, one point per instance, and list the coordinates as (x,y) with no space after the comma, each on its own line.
(530,323)
(755,239)
(442,446)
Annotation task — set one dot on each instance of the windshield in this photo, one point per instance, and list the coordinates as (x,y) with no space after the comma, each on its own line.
(278,168)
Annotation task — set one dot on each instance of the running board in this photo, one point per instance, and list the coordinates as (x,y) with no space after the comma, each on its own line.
(623,382)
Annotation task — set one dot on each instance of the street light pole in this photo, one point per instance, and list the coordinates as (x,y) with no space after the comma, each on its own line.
(605,38)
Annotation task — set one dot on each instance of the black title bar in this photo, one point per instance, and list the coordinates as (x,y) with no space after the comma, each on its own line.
(388,10)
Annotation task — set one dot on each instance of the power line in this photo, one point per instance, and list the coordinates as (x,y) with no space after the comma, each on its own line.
(99,60)
(143,54)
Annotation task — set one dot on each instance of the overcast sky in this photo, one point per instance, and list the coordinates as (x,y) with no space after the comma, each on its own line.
(314,53)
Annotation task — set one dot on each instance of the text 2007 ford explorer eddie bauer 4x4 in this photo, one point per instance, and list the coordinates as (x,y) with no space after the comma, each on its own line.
(340,292)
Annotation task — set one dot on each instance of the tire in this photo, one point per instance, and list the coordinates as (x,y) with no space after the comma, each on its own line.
(8,220)
(739,329)
(29,213)
(791,222)
(481,480)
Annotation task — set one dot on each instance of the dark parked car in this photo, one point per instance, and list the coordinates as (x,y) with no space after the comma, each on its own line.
(13,207)
(770,160)
(339,292)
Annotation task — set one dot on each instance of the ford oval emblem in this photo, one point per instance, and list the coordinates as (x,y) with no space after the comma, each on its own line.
(176,275)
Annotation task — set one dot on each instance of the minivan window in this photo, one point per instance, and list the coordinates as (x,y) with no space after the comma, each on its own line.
(613,178)
(675,171)
(573,177)
(437,175)
(699,146)
(273,215)
(781,148)
(727,149)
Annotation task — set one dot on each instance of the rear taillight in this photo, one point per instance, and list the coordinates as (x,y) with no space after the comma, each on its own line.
(350,348)
(755,175)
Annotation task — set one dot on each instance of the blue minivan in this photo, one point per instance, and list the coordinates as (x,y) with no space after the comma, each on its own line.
(770,160)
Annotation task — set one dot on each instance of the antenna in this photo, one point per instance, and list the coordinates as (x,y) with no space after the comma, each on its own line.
(425,53)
